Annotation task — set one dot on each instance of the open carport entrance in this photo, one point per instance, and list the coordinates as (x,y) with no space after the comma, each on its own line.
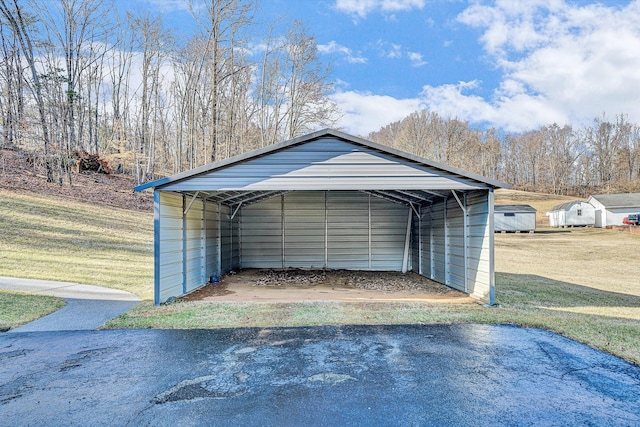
(325,200)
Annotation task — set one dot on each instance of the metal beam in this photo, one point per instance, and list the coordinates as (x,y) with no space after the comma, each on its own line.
(193,199)
(415,196)
(465,239)
(394,195)
(407,240)
(387,198)
(236,211)
(435,194)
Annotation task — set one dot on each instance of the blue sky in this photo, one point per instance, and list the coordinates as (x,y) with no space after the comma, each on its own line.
(515,65)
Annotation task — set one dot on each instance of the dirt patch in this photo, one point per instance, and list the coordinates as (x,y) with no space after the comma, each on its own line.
(318,285)
(17,173)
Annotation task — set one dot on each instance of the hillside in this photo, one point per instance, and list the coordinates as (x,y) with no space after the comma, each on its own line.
(18,173)
(96,232)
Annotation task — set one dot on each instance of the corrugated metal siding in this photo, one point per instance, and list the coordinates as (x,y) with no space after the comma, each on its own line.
(332,229)
(416,244)
(211,226)
(388,232)
(347,230)
(304,229)
(194,244)
(480,245)
(261,225)
(170,246)
(438,257)
(324,164)
(229,239)
(455,245)
(426,231)
(518,221)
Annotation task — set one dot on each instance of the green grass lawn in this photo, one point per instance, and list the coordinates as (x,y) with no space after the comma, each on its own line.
(17,308)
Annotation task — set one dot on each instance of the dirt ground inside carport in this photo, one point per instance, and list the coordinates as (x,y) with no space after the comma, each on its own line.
(289,285)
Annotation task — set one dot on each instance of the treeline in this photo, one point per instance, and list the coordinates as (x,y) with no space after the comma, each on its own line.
(602,157)
(81,75)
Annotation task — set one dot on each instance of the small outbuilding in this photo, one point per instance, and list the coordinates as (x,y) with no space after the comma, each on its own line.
(324,200)
(572,214)
(611,209)
(514,218)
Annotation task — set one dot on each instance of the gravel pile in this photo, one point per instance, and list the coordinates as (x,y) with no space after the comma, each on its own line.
(385,281)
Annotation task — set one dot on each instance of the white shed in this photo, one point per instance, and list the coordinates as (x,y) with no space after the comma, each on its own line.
(515,218)
(611,209)
(572,214)
(324,200)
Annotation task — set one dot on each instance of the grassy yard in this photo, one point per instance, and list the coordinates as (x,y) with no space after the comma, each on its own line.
(17,308)
(580,283)
(54,238)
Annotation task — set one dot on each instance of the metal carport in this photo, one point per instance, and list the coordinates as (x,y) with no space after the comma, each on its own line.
(324,200)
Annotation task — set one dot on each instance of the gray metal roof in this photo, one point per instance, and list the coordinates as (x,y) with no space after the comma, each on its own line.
(566,206)
(514,208)
(616,201)
(323,160)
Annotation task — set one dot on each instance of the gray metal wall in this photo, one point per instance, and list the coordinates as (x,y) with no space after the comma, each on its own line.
(169,255)
(194,246)
(316,229)
(519,221)
(450,243)
(454,254)
(480,245)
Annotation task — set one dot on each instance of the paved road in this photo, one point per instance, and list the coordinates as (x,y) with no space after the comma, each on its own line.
(88,307)
(457,375)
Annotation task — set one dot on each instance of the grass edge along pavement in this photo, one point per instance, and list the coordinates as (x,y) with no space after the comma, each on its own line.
(18,308)
(519,298)
(69,240)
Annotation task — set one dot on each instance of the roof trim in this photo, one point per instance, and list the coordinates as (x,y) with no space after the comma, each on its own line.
(309,137)
(514,208)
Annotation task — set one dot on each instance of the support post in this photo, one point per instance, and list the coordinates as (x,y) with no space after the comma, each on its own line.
(219,240)
(369,231)
(407,241)
(184,244)
(156,247)
(492,280)
(420,241)
(465,221)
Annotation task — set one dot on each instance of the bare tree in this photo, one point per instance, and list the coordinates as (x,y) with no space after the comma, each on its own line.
(13,13)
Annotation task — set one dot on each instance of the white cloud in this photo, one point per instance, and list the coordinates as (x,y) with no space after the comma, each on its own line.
(333,47)
(396,51)
(559,62)
(169,5)
(362,8)
(416,59)
(365,112)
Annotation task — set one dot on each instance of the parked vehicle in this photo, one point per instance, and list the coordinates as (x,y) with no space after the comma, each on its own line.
(633,219)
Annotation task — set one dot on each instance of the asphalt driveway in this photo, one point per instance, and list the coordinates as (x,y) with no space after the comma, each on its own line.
(88,307)
(462,375)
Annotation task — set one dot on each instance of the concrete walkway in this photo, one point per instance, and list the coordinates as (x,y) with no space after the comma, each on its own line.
(88,307)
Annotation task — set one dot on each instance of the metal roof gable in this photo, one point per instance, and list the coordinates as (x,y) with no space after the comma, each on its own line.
(312,137)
